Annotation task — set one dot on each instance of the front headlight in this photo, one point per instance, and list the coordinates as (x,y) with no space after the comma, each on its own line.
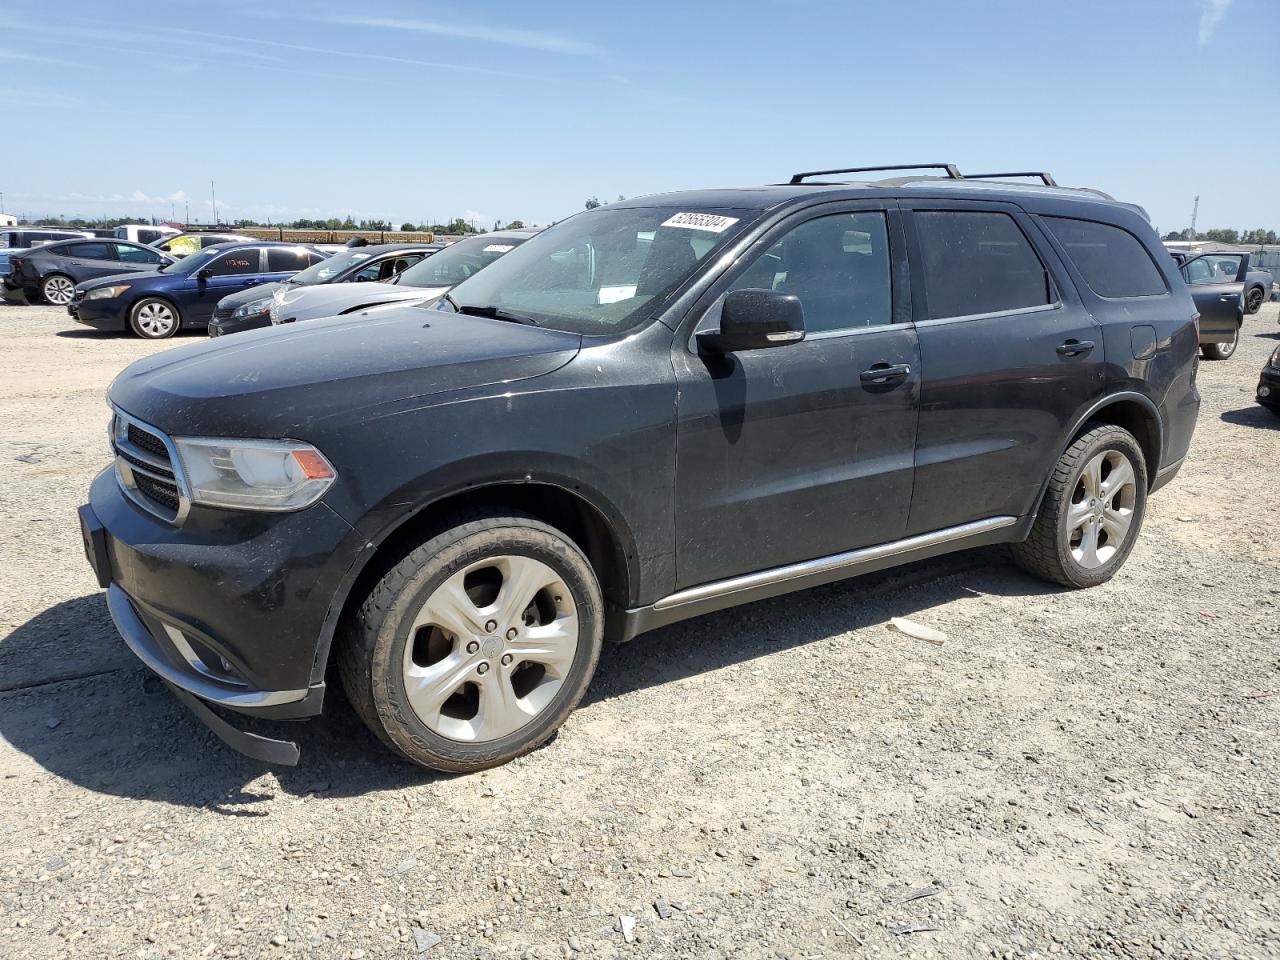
(252,309)
(272,475)
(106,293)
(1275,359)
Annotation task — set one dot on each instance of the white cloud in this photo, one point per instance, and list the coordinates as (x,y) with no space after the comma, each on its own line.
(509,36)
(1211,14)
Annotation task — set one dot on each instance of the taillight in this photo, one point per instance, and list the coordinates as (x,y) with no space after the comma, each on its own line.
(1195,320)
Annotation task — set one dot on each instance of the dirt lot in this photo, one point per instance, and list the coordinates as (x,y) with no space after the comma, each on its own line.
(1089,773)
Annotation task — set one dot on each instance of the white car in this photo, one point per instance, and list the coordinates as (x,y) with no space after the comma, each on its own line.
(423,281)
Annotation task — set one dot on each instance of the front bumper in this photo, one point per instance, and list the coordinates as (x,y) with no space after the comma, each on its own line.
(220,326)
(232,610)
(107,314)
(1269,388)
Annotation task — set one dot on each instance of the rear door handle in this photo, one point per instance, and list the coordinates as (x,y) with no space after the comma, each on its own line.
(1074,348)
(884,372)
(1228,297)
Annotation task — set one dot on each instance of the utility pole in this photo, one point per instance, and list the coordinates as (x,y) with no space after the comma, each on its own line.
(213,198)
(1,201)
(1195,212)
(186,215)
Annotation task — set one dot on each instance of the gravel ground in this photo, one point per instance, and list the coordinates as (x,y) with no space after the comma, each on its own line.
(1078,773)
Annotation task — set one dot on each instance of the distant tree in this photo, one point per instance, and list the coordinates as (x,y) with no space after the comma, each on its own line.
(515,225)
(459,226)
(1173,235)
(408,227)
(621,198)
(593,203)
(1271,237)
(1222,235)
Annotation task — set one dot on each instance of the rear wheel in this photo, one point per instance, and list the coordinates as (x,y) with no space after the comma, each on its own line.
(477,646)
(1221,351)
(57,289)
(1091,513)
(154,319)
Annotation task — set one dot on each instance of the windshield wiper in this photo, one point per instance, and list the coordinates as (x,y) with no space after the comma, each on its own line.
(493,313)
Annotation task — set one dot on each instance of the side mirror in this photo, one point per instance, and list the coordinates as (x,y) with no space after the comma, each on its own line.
(754,319)
(204,273)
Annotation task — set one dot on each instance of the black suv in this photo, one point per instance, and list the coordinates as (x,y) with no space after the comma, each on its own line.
(649,411)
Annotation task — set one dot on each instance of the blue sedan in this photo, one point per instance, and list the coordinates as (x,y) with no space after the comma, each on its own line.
(158,303)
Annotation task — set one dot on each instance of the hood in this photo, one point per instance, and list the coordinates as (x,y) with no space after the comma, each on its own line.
(233,300)
(331,299)
(280,382)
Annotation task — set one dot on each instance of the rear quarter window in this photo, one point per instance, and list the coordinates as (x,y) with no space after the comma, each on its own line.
(1112,261)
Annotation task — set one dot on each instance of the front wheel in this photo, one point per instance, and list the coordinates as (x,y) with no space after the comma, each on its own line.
(1221,351)
(1091,513)
(1253,300)
(477,646)
(154,319)
(57,290)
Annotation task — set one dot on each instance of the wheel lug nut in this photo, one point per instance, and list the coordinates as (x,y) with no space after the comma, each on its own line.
(482,668)
(491,626)
(511,634)
(472,647)
(506,659)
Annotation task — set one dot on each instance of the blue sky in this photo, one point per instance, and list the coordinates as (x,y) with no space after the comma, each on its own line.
(499,109)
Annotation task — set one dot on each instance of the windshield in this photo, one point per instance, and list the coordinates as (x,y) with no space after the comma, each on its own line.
(191,262)
(326,270)
(456,262)
(602,271)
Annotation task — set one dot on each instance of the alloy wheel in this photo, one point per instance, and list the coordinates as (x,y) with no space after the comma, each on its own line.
(155,319)
(58,290)
(1102,509)
(490,648)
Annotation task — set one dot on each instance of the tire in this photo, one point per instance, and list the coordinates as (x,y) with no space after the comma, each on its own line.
(491,684)
(1220,351)
(154,318)
(1253,300)
(57,289)
(1059,548)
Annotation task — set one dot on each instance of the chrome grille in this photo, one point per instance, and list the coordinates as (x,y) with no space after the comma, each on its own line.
(146,469)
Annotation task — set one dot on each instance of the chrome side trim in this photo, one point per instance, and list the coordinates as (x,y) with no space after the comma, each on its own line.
(140,641)
(838,561)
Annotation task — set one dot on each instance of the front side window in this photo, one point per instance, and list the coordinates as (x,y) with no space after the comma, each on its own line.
(1213,268)
(837,265)
(979,262)
(87,251)
(326,269)
(1112,261)
(599,272)
(235,263)
(131,254)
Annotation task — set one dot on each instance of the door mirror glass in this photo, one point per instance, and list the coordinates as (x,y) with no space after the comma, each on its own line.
(753,318)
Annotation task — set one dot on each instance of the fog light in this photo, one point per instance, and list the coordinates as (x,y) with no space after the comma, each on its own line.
(1264,391)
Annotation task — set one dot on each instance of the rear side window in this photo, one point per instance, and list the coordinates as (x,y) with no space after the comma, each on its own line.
(979,262)
(1113,262)
(87,251)
(283,259)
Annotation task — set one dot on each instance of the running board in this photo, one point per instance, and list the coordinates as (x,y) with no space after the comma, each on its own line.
(718,594)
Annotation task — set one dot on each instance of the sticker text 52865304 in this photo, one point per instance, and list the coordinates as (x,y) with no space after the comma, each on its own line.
(710,222)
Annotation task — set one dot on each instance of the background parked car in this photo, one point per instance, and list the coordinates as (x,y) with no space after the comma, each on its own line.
(1269,383)
(1216,282)
(23,238)
(1257,286)
(424,280)
(251,309)
(181,244)
(51,272)
(156,304)
(144,232)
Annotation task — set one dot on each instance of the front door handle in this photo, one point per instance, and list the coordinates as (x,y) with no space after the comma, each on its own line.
(884,372)
(1074,348)
(1229,297)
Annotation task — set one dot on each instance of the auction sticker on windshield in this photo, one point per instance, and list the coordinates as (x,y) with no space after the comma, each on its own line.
(711,222)
(499,248)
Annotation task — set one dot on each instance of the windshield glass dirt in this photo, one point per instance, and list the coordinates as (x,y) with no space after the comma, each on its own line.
(603,271)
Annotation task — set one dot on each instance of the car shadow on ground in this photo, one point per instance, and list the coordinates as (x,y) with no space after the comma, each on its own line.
(1255,415)
(91,334)
(90,715)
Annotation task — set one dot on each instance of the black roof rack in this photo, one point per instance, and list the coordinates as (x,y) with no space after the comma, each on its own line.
(952,172)
(1045,178)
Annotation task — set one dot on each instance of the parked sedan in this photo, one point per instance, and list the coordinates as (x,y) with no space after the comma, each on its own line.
(423,281)
(182,244)
(1269,383)
(251,309)
(51,272)
(156,304)
(17,239)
